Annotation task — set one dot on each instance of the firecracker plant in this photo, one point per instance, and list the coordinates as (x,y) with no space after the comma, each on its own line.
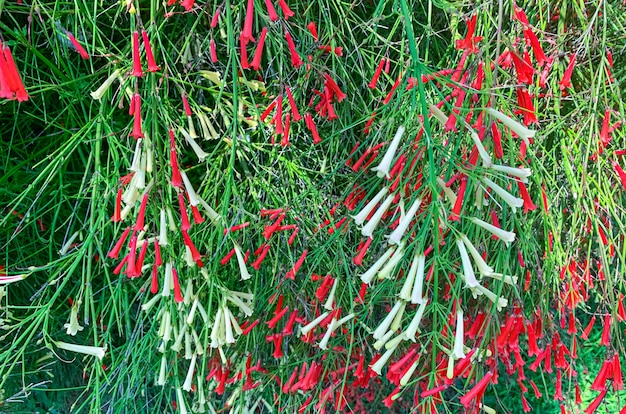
(283,206)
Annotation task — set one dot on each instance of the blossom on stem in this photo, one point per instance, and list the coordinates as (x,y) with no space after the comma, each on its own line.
(258,53)
(296,61)
(417,295)
(73,327)
(383,327)
(368,276)
(194,145)
(304,330)
(99,93)
(520,130)
(11,85)
(457,351)
(245,275)
(271,11)
(368,229)
(414,325)
(399,231)
(360,218)
(247,26)
(499,301)
(483,267)
(521,173)
(96,351)
(152,66)
(566,81)
(137,70)
(508,198)
(79,48)
(506,236)
(468,272)
(477,391)
(287,12)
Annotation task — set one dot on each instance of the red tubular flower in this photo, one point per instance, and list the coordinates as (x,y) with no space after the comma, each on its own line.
(296,61)
(137,70)
(152,66)
(308,120)
(177,180)
(195,254)
(13,86)
(292,104)
(618,381)
(566,82)
(115,251)
(476,392)
(470,41)
(258,53)
(525,406)
(79,48)
(558,393)
(526,107)
(131,269)
(117,215)
(243,42)
(523,69)
(271,10)
(278,347)
(139,224)
(287,12)
(334,88)
(285,140)
(292,273)
(528,202)
(213,51)
(531,38)
(186,105)
(157,253)
(358,259)
(247,26)
(606,332)
(183,213)
(620,172)
(178,298)
(379,70)
(393,89)
(278,117)
(227,257)
(154,286)
(543,78)
(278,314)
(313,29)
(216,17)
(136,104)
(456,210)
(140,259)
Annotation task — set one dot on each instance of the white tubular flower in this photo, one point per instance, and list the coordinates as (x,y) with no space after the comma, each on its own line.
(398,233)
(99,93)
(149,304)
(468,272)
(217,333)
(457,351)
(73,327)
(443,118)
(188,349)
(415,322)
(382,170)
(329,331)
(360,218)
(395,341)
(230,338)
(483,267)
(189,378)
(166,327)
(385,272)
(511,280)
(328,305)
(242,263)
(384,325)
(210,212)
(500,302)
(417,295)
(508,198)
(519,129)
(382,341)
(405,292)
(481,149)
(521,173)
(194,145)
(247,310)
(96,351)
(311,325)
(136,164)
(193,198)
(177,345)
(368,276)
(182,407)
(506,236)
(408,374)
(167,280)
(397,321)
(162,371)
(188,257)
(369,228)
(382,361)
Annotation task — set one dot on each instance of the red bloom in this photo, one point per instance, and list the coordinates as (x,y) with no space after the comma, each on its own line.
(247,26)
(531,38)
(379,69)
(213,51)
(79,48)
(258,53)
(523,69)
(187,4)
(11,85)
(136,109)
(137,70)
(183,213)
(292,273)
(271,11)
(595,403)
(566,82)
(115,251)
(526,107)
(334,88)
(528,202)
(292,103)
(117,214)
(477,391)
(620,172)
(470,41)
(313,29)
(177,295)
(287,13)
(296,61)
(308,120)
(243,42)
(139,224)
(152,66)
